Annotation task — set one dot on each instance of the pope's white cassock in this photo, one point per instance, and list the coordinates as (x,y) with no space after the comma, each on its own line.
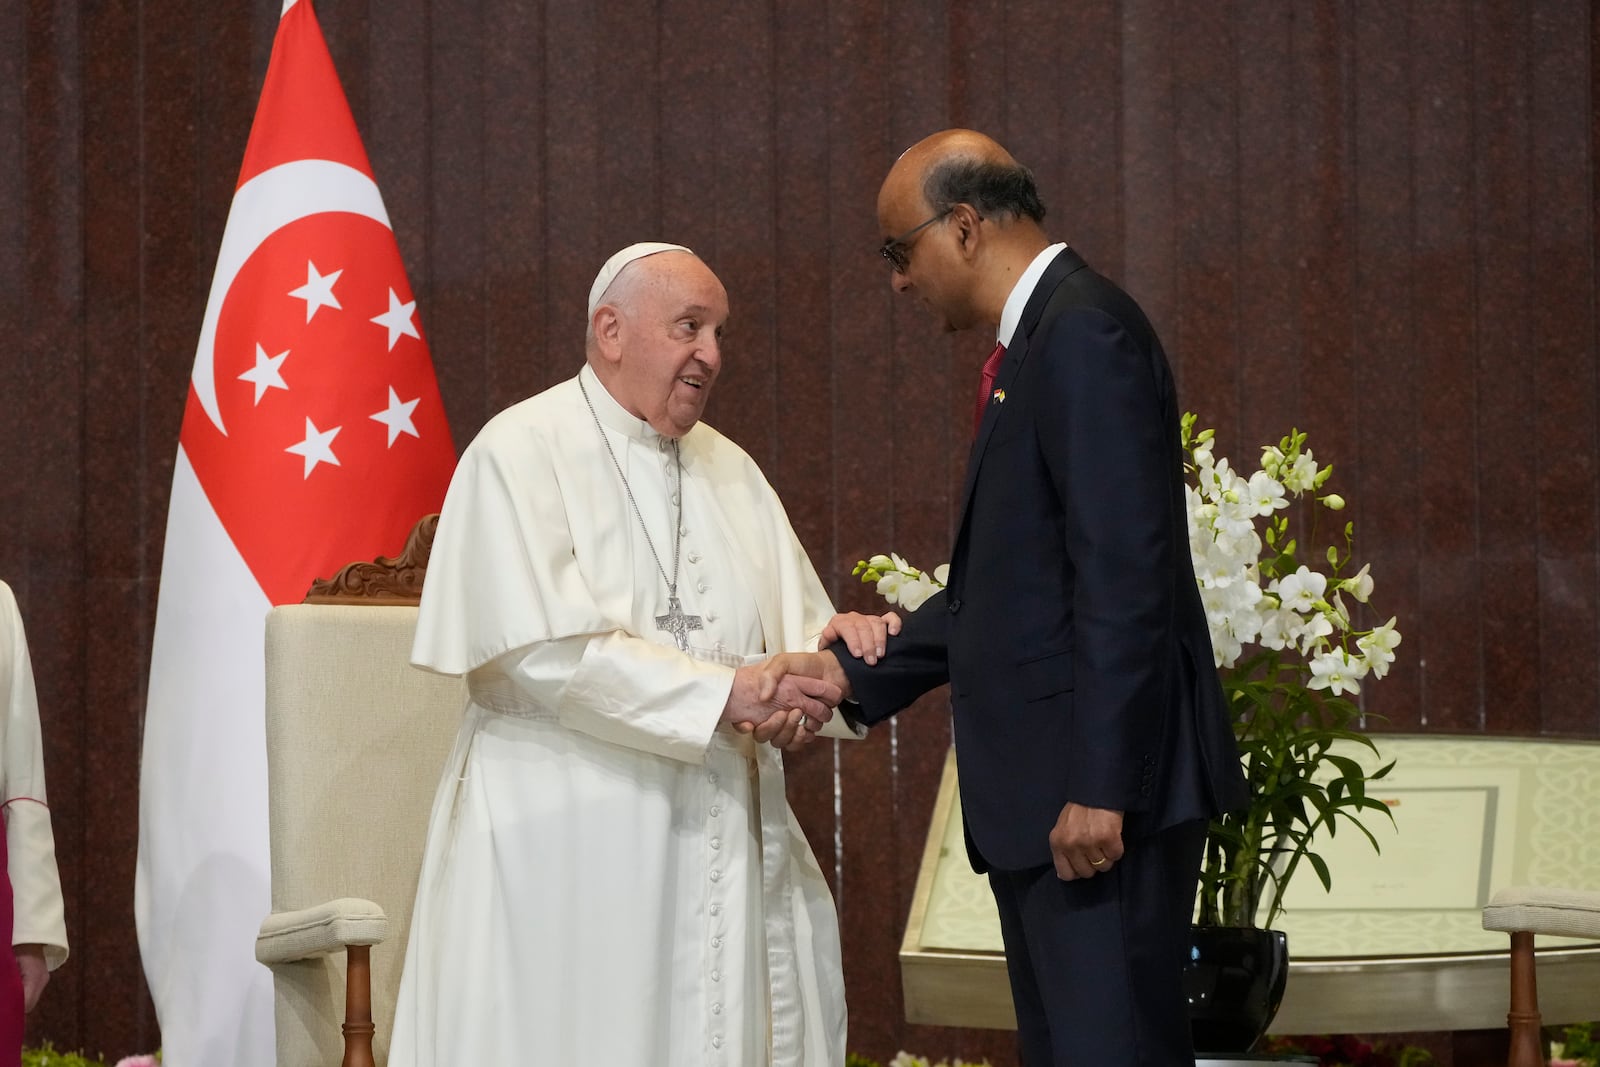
(610,877)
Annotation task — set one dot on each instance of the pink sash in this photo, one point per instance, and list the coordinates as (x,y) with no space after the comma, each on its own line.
(10,977)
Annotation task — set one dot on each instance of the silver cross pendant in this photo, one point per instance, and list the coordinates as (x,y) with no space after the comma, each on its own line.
(676,623)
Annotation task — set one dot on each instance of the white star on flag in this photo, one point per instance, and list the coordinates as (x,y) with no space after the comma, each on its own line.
(317,447)
(317,292)
(397,416)
(265,373)
(398,319)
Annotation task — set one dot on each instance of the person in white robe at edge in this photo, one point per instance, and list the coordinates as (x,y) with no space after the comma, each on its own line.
(612,874)
(30,885)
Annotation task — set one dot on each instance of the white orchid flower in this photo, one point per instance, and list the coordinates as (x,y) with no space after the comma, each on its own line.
(1378,647)
(1314,630)
(1301,590)
(1265,494)
(1336,672)
(1301,475)
(914,592)
(1278,629)
(1236,518)
(1359,584)
(1225,648)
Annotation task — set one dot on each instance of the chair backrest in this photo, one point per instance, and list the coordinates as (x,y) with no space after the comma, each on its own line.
(356,740)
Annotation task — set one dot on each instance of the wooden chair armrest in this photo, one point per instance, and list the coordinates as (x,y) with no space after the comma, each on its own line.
(290,936)
(1541,910)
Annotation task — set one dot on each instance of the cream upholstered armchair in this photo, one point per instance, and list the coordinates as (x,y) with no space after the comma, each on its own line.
(1522,912)
(356,738)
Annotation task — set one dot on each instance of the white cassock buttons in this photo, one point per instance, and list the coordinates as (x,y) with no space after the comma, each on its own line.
(694,557)
(701,586)
(716,842)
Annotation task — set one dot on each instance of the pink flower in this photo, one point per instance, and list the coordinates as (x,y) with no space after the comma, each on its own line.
(145,1060)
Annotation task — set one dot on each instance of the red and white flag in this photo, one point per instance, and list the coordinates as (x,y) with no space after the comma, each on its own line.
(313,436)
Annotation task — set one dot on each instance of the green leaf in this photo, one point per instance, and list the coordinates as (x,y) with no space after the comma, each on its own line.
(1320,865)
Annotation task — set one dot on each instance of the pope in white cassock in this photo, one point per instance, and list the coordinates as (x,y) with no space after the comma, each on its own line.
(613,877)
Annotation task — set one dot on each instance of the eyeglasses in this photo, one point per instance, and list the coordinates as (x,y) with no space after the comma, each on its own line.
(896,249)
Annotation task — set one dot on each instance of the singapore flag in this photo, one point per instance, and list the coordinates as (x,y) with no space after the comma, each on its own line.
(313,436)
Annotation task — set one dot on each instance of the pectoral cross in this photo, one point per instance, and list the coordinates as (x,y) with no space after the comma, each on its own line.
(676,623)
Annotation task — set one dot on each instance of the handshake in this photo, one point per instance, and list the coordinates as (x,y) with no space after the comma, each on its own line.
(787,699)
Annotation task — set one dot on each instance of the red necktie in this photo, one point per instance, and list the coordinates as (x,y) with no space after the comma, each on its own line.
(991,367)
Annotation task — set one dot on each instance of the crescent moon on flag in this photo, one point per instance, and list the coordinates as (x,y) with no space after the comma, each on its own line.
(262,206)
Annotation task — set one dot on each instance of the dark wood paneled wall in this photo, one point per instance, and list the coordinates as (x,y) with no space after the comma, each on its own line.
(1371,220)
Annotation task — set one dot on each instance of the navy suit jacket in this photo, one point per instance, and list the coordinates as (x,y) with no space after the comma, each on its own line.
(1072,632)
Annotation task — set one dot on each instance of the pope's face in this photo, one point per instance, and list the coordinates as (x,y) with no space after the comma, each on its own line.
(671,342)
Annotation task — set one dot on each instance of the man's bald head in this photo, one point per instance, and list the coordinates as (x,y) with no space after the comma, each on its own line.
(964,167)
(961,221)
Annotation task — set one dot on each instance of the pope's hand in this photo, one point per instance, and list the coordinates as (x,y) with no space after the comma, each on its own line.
(783,701)
(789,730)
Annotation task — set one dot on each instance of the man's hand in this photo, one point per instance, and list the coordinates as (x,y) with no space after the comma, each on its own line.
(1086,841)
(864,635)
(823,665)
(35,973)
(782,702)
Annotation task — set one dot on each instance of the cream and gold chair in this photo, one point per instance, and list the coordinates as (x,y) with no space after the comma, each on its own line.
(356,738)
(1522,912)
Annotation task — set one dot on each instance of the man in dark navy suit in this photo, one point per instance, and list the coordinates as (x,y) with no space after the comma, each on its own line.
(1092,737)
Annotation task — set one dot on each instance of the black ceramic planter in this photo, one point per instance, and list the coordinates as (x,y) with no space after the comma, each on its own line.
(1234,982)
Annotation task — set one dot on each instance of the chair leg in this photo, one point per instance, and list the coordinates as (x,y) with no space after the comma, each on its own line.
(358,1028)
(1527,1042)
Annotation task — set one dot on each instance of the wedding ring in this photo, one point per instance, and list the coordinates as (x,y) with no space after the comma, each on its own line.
(1101,862)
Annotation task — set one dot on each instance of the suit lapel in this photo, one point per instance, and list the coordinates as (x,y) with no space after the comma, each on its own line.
(1066,263)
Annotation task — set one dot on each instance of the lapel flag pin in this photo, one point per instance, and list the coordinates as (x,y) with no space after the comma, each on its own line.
(1000,396)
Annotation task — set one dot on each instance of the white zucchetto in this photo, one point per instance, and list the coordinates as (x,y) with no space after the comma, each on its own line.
(614,265)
